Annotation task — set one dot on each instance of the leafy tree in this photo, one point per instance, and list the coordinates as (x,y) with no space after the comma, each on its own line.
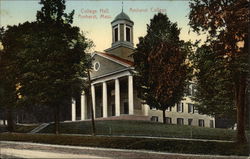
(160,69)
(226,22)
(8,79)
(51,58)
(214,95)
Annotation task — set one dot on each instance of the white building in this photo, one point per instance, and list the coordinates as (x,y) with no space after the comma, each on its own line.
(113,93)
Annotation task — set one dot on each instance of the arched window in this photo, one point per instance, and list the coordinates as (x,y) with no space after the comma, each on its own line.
(128,33)
(116,34)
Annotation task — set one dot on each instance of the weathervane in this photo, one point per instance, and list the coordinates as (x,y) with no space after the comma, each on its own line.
(122,6)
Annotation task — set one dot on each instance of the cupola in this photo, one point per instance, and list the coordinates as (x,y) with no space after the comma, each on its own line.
(122,30)
(122,36)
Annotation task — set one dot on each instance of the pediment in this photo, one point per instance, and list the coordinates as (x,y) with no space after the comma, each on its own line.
(104,64)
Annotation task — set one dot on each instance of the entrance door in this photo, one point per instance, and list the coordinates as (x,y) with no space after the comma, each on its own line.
(113,109)
(125,107)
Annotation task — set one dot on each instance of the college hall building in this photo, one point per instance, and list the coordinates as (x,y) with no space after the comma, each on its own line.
(112,87)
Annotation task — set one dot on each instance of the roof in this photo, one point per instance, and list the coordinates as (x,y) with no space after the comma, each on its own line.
(122,16)
(116,58)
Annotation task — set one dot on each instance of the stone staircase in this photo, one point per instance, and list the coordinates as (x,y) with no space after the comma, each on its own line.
(40,127)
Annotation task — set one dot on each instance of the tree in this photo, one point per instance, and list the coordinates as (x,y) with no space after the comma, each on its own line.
(51,56)
(8,78)
(226,22)
(214,95)
(160,69)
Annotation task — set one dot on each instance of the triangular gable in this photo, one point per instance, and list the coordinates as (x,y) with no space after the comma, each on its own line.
(107,65)
(114,58)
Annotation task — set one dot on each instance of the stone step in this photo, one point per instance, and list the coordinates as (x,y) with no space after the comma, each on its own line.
(40,127)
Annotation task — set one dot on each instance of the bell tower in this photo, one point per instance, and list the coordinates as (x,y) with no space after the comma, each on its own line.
(122,36)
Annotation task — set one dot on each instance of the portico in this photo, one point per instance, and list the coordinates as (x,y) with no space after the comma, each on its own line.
(107,98)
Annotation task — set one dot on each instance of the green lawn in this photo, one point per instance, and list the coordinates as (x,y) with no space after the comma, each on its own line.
(20,128)
(25,128)
(136,128)
(143,128)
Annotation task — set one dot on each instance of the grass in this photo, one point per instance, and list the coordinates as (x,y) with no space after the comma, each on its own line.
(152,144)
(143,128)
(25,128)
(20,128)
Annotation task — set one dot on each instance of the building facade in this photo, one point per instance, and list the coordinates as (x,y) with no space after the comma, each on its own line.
(112,87)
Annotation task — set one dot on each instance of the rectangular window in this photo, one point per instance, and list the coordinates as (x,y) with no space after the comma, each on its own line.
(190,108)
(180,121)
(152,108)
(196,110)
(190,121)
(201,123)
(127,34)
(116,34)
(191,89)
(168,120)
(169,109)
(180,107)
(211,124)
(154,118)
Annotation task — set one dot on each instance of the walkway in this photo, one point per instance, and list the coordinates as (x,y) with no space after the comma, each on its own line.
(35,150)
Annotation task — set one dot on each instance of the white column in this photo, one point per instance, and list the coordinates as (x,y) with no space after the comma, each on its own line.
(119,31)
(117,97)
(93,98)
(73,110)
(146,109)
(130,95)
(83,106)
(104,100)
(124,33)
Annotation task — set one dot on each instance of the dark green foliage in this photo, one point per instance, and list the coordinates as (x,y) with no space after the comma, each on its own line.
(52,62)
(48,59)
(160,69)
(227,25)
(214,86)
(53,11)
(8,79)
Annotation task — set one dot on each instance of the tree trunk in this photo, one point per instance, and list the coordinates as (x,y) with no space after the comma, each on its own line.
(241,108)
(164,116)
(56,113)
(91,106)
(10,121)
(247,115)
(5,117)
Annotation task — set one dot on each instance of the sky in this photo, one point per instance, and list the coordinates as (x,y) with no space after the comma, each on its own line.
(94,17)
